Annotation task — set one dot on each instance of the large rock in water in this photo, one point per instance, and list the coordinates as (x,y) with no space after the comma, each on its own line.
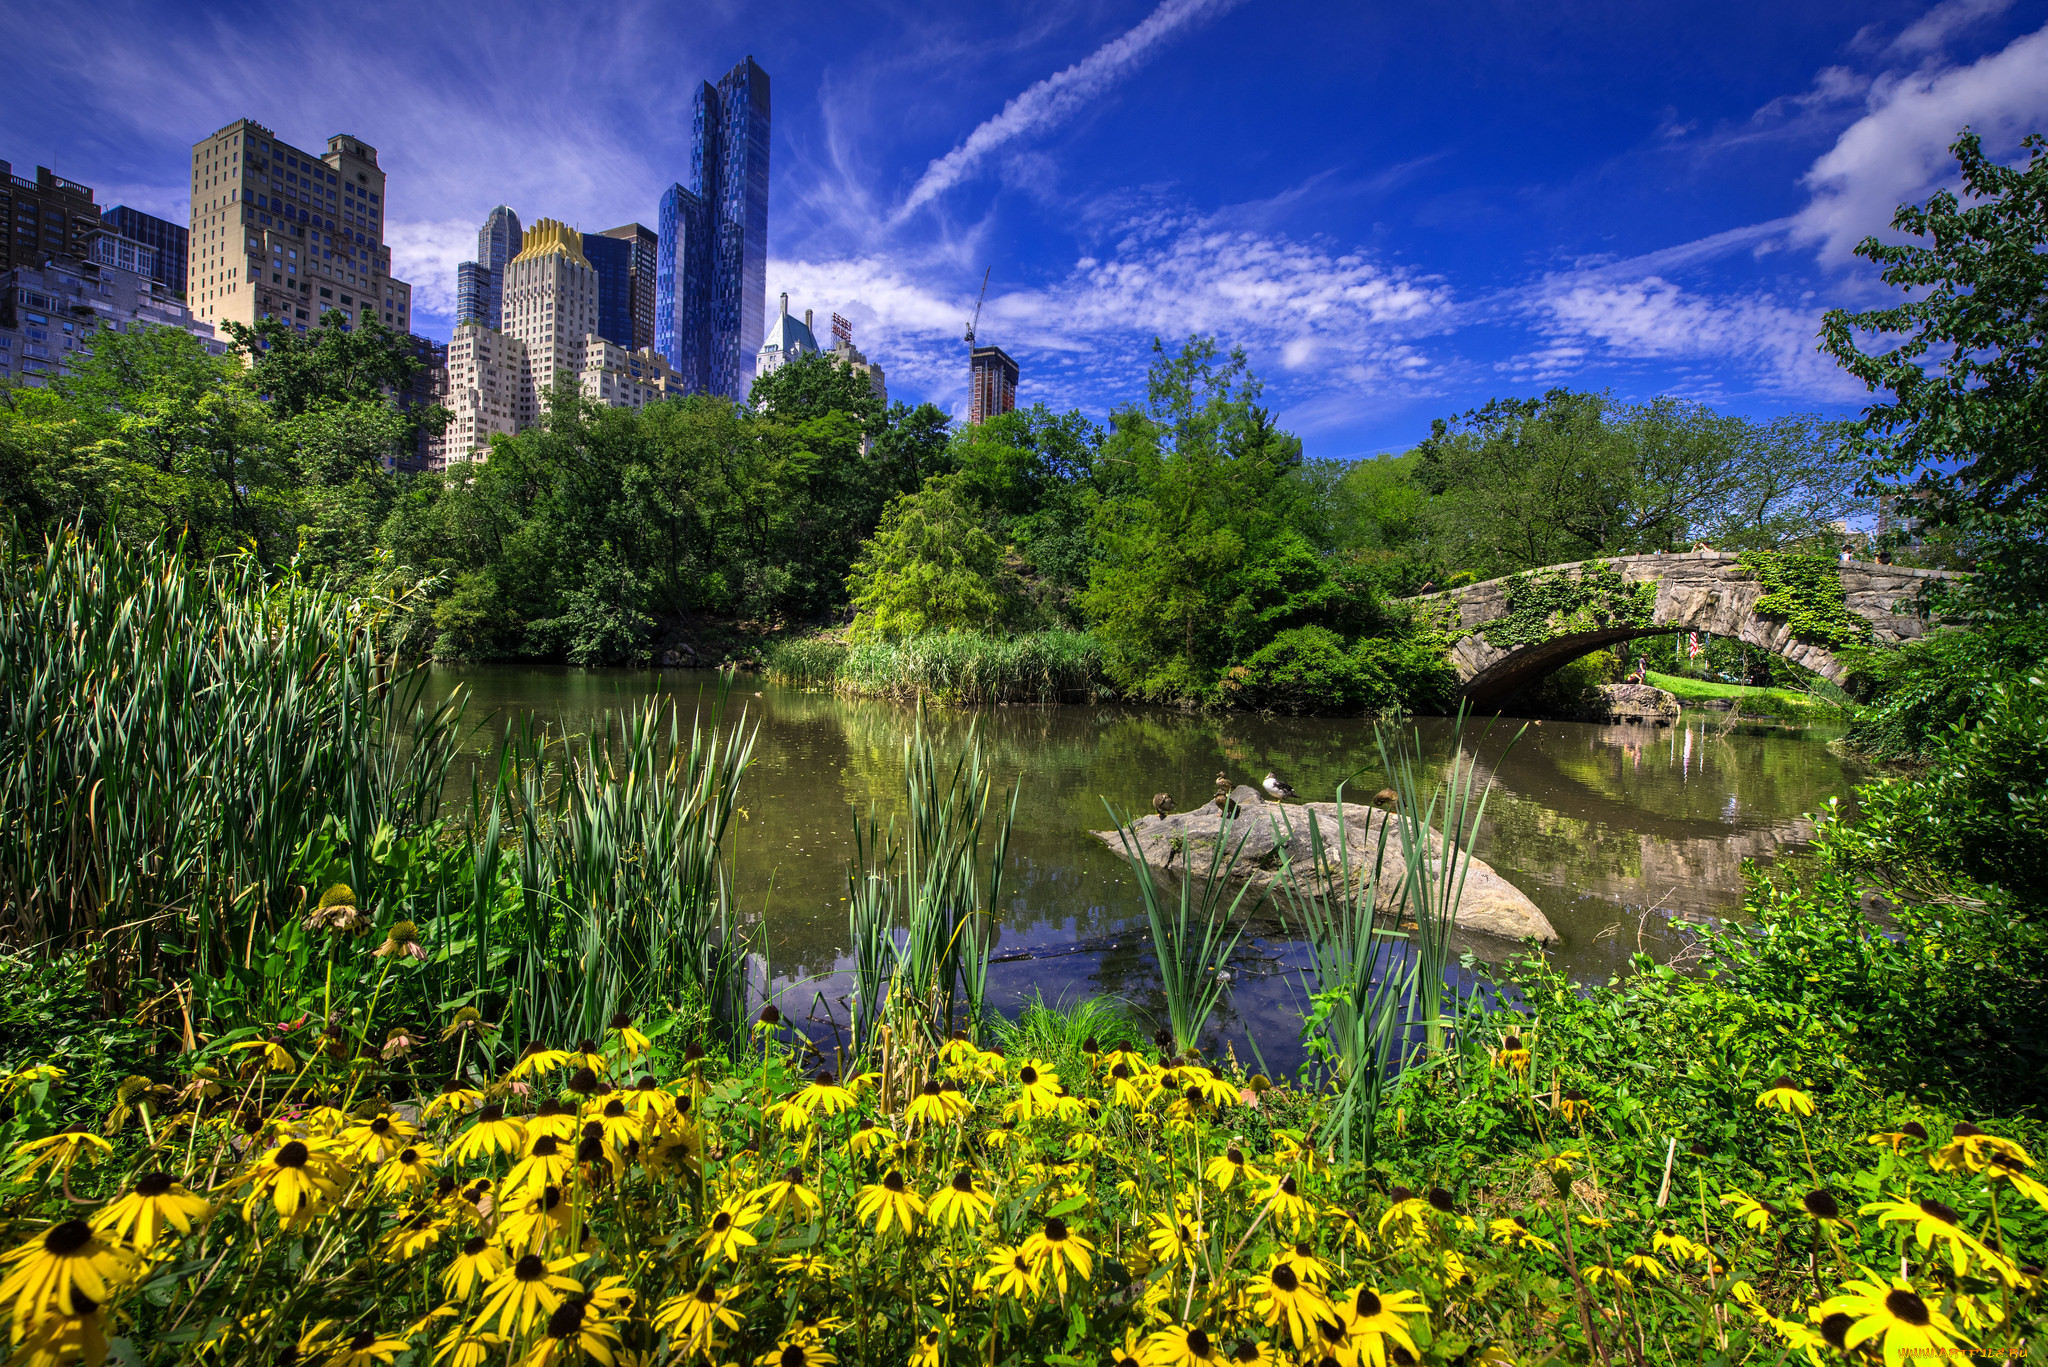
(1631,702)
(1276,837)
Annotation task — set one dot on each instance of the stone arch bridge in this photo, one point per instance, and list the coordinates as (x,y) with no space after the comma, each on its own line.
(1512,631)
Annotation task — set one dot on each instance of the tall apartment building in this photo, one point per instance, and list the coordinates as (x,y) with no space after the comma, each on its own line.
(847,354)
(711,268)
(497,382)
(161,236)
(646,243)
(480,284)
(45,217)
(281,232)
(992,383)
(49,314)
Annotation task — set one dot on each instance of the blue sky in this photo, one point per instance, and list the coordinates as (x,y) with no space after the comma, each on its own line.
(1399,211)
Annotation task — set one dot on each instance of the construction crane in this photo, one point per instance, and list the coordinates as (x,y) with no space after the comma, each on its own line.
(972,322)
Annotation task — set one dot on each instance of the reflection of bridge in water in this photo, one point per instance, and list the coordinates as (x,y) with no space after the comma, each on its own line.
(1695,591)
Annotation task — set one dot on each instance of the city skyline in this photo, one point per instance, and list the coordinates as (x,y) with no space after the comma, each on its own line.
(1395,220)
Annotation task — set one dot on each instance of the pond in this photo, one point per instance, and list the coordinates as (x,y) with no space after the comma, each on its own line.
(1613,831)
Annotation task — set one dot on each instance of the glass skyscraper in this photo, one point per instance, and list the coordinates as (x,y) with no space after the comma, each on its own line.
(480,284)
(711,262)
(165,238)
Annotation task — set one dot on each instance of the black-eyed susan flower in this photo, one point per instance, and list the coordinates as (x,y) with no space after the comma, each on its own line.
(693,1319)
(1376,1321)
(1227,1167)
(552,1117)
(1290,1209)
(729,1231)
(1510,1230)
(546,1164)
(1173,1237)
(889,1201)
(491,1133)
(68,1269)
(1897,1319)
(526,1291)
(928,1108)
(155,1203)
(463,1346)
(960,1202)
(1931,1220)
(1010,1273)
(1038,1091)
(1250,1351)
(1287,1302)
(787,1195)
(1055,1247)
(60,1151)
(575,1330)
(366,1348)
(1821,1204)
(1896,1139)
(409,1172)
(1678,1246)
(1183,1345)
(1574,1106)
(529,1219)
(627,1037)
(1970,1149)
(296,1177)
(1211,1088)
(1513,1055)
(797,1352)
(1127,1085)
(1784,1095)
(265,1053)
(64,1340)
(1646,1265)
(869,1139)
(823,1096)
(477,1263)
(452,1100)
(537,1060)
(1750,1213)
(413,1237)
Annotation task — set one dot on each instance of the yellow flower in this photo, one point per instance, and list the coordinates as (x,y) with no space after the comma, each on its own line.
(787,1194)
(157,1201)
(1129,1083)
(1038,1092)
(529,1218)
(1285,1299)
(1750,1213)
(68,1269)
(693,1319)
(1912,1132)
(1373,1318)
(1181,1345)
(1783,1095)
(889,1201)
(868,1137)
(269,1052)
(365,1348)
(1970,1149)
(1055,1248)
(574,1330)
(1011,1274)
(452,1100)
(1646,1264)
(492,1133)
(928,1108)
(824,1096)
(1509,1229)
(960,1202)
(1512,1055)
(465,1347)
(61,1150)
(2001,1168)
(537,1060)
(730,1231)
(547,1164)
(630,1041)
(477,1264)
(1283,1194)
(296,1177)
(797,1352)
(378,1138)
(526,1291)
(1174,1238)
(64,1340)
(1574,1107)
(1227,1167)
(1684,1249)
(1931,1220)
(1599,1272)
(411,1171)
(413,1237)
(1906,1326)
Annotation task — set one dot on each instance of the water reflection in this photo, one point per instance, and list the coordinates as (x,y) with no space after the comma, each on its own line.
(1610,829)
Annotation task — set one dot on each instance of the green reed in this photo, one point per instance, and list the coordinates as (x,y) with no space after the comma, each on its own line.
(963,668)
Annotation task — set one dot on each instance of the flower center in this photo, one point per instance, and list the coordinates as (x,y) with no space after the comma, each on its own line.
(1234,1155)
(381,1125)
(1288,1185)
(1029,1076)
(546,1147)
(474,1245)
(963,1182)
(721,1222)
(1198,1343)
(152,1184)
(893,1183)
(1055,1230)
(409,1157)
(1285,1280)
(530,1268)
(1935,1210)
(65,1239)
(614,1109)
(1907,1307)
(292,1155)
(1367,1304)
(567,1319)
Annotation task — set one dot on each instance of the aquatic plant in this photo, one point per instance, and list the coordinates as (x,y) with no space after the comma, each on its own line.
(963,668)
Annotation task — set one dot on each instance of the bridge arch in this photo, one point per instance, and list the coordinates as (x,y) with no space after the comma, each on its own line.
(1514,630)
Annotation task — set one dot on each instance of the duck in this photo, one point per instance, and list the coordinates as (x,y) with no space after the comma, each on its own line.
(1162,803)
(1275,788)
(1222,783)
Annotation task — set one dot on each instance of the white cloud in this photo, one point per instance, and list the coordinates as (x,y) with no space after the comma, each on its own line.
(1899,150)
(1320,318)
(1591,320)
(1934,28)
(425,253)
(1057,97)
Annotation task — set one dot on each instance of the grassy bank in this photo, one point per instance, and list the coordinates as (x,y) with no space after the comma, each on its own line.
(965,668)
(1753,701)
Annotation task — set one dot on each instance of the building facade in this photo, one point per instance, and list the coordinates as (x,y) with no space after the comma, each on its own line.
(50,313)
(711,269)
(279,232)
(480,284)
(646,245)
(787,339)
(45,217)
(550,303)
(847,354)
(160,235)
(992,384)
(612,259)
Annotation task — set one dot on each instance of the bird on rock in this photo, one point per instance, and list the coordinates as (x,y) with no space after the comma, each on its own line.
(1162,803)
(1222,783)
(1275,788)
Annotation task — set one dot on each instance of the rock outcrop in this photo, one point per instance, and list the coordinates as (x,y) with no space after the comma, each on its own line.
(1275,838)
(1631,703)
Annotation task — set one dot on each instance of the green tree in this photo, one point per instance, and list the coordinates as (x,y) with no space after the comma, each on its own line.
(1961,441)
(1199,558)
(932,567)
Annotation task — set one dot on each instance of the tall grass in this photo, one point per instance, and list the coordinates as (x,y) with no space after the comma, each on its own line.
(965,668)
(173,735)
(1376,988)
(922,900)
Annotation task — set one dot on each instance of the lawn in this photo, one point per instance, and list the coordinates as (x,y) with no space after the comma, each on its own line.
(1754,700)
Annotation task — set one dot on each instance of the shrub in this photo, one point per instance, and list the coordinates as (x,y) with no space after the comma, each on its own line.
(1311,669)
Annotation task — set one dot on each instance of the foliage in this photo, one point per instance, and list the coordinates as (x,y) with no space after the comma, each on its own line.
(964,668)
(1805,592)
(1547,604)
(1312,669)
(1961,441)
(1923,688)
(931,567)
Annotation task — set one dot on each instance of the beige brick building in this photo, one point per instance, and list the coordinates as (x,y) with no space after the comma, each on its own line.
(281,232)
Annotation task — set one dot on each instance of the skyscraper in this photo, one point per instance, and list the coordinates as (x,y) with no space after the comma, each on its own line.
(711,266)
(165,238)
(992,383)
(45,217)
(277,232)
(480,284)
(646,243)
